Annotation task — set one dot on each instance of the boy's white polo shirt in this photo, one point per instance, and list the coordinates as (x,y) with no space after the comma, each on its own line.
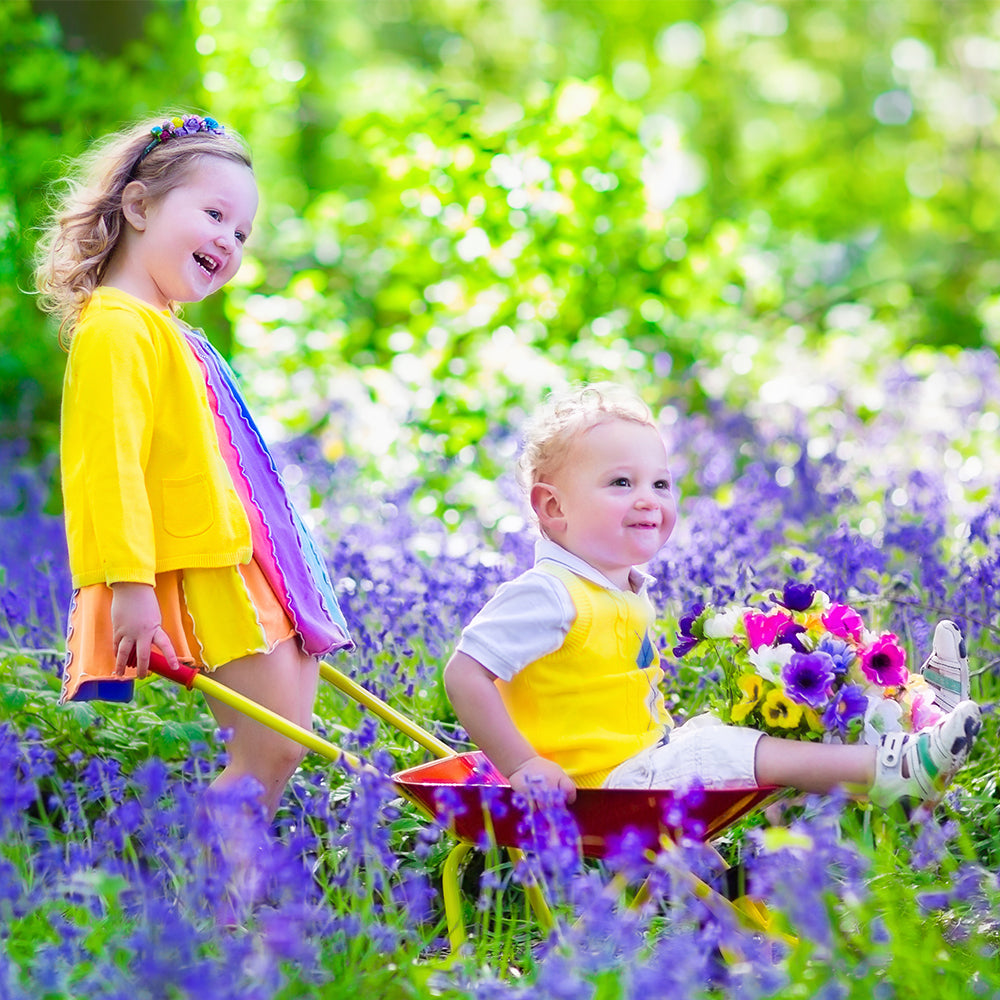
(530,616)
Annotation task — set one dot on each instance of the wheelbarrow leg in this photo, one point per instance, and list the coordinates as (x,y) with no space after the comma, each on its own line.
(750,912)
(452,891)
(536,898)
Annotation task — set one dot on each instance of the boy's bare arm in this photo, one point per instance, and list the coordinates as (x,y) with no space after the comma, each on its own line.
(481,711)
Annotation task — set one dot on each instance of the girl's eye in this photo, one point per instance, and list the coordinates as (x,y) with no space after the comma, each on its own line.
(215,214)
(662,484)
(620,481)
(241,236)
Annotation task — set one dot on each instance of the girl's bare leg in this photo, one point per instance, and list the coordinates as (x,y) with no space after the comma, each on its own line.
(814,767)
(285,681)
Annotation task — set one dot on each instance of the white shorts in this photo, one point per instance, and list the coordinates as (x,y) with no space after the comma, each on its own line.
(701,751)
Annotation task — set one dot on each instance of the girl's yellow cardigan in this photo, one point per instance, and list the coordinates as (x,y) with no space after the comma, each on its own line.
(145,487)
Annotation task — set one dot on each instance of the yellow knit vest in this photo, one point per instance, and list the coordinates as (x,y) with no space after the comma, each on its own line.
(595,701)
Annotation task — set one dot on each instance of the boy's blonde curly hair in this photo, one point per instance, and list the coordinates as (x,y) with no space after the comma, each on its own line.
(86,221)
(563,416)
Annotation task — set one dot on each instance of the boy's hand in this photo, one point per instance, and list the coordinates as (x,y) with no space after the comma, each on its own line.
(548,772)
(479,707)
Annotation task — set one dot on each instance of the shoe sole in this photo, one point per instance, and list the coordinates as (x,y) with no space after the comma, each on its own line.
(959,749)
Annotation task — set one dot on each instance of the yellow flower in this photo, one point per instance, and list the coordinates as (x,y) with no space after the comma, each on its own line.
(780,711)
(813,721)
(752,687)
(814,624)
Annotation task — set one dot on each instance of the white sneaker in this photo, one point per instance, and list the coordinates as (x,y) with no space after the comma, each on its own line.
(947,668)
(922,765)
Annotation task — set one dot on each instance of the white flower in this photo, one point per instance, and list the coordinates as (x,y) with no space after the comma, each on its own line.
(882,716)
(768,660)
(723,624)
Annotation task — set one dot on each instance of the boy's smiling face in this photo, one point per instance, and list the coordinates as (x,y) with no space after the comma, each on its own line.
(610,501)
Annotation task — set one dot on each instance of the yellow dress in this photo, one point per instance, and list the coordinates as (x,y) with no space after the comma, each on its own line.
(214,615)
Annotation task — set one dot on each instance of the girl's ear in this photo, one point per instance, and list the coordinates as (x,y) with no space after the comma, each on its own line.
(547,506)
(135,205)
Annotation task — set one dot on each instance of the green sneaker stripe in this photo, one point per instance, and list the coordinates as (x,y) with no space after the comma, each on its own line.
(923,745)
(938,679)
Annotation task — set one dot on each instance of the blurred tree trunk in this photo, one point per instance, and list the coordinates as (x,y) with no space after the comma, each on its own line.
(105,26)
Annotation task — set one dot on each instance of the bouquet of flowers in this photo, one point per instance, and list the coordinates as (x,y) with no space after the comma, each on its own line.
(803,667)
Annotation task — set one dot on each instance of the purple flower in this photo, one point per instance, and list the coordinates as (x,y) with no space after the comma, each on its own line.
(366,733)
(415,896)
(448,804)
(681,813)
(548,831)
(840,652)
(788,635)
(933,899)
(846,711)
(797,596)
(931,843)
(686,640)
(808,678)
(627,852)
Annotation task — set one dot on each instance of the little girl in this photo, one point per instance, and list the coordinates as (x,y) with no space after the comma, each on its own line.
(180,533)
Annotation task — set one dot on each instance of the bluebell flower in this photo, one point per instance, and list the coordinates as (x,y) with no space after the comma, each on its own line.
(934,899)
(626,852)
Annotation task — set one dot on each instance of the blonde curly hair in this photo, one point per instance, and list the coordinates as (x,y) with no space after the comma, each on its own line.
(86,221)
(564,416)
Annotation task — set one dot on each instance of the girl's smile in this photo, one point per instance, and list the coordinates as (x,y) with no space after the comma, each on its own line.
(189,243)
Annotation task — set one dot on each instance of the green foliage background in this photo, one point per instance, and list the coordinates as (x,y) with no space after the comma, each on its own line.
(466,202)
(781,209)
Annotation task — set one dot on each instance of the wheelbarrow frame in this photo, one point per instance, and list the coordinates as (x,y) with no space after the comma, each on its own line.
(416,784)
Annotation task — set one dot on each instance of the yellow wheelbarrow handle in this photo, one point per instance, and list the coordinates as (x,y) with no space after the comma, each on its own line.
(385,712)
(190,678)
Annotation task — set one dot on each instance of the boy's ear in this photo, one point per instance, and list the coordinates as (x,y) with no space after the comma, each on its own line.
(135,204)
(548,508)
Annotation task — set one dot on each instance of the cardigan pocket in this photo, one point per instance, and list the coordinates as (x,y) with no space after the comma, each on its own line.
(187,506)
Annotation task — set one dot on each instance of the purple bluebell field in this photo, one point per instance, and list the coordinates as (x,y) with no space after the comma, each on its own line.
(120,878)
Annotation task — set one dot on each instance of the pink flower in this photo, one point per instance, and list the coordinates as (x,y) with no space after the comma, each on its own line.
(844,622)
(763,629)
(884,661)
(923,711)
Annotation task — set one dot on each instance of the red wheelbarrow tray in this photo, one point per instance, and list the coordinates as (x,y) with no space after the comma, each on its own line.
(462,790)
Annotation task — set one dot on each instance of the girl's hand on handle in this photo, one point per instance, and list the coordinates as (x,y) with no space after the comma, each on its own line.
(536,769)
(137,626)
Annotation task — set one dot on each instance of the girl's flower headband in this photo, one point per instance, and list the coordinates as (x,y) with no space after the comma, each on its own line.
(173,127)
